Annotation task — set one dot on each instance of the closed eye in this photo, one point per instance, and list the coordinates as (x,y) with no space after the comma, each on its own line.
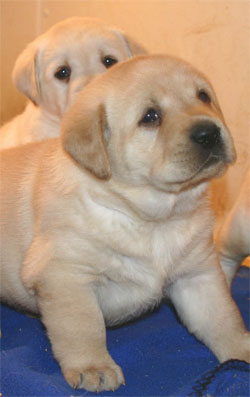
(203,96)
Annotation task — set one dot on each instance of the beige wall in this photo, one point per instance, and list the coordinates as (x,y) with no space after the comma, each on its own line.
(212,35)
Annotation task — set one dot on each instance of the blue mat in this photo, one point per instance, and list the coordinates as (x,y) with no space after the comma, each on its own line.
(157,354)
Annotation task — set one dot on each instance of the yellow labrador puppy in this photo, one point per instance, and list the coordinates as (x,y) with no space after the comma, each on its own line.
(54,67)
(234,237)
(98,226)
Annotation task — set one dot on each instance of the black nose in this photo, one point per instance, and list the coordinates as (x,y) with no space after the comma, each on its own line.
(206,134)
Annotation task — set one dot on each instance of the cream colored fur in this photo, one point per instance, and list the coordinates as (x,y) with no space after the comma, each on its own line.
(78,43)
(234,237)
(99,225)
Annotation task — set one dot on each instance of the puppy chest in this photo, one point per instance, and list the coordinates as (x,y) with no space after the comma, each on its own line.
(131,262)
(128,290)
(133,284)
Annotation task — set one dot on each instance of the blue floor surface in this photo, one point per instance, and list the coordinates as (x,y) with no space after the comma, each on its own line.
(157,354)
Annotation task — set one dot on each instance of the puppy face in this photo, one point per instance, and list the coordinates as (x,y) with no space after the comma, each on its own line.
(150,121)
(53,68)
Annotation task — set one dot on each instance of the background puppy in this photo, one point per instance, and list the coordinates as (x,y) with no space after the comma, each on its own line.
(54,67)
(234,237)
(99,226)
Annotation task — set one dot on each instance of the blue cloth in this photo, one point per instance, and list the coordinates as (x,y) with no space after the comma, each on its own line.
(157,354)
(228,379)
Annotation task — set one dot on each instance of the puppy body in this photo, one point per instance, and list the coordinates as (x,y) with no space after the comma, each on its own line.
(36,125)
(234,237)
(130,225)
(114,216)
(80,44)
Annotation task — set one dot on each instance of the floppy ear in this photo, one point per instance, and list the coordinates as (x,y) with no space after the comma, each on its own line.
(135,48)
(83,131)
(26,73)
(132,46)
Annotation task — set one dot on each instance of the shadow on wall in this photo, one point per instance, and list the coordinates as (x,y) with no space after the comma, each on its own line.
(219,191)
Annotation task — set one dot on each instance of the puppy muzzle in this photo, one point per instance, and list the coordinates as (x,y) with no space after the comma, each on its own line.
(208,140)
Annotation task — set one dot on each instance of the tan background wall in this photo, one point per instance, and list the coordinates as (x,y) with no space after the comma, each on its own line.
(212,35)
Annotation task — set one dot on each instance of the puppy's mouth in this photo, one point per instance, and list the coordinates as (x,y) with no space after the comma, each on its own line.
(212,166)
(211,155)
(211,160)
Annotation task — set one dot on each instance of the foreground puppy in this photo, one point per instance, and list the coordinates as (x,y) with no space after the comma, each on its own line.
(99,226)
(54,67)
(234,237)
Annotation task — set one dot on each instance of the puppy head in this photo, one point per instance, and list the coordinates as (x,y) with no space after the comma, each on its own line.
(152,120)
(55,66)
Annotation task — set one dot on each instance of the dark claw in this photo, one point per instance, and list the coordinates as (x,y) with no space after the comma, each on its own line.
(81,382)
(101,374)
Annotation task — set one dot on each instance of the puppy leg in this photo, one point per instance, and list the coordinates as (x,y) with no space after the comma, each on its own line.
(234,237)
(204,304)
(76,329)
(229,266)
(234,244)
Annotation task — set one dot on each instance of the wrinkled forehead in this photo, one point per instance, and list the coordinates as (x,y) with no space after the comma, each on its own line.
(158,77)
(77,42)
(78,34)
(162,83)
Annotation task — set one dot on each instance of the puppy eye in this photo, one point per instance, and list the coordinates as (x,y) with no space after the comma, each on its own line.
(63,73)
(109,61)
(203,96)
(151,117)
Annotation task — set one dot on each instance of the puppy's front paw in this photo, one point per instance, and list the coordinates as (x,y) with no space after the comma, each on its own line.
(95,378)
(245,349)
(237,348)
